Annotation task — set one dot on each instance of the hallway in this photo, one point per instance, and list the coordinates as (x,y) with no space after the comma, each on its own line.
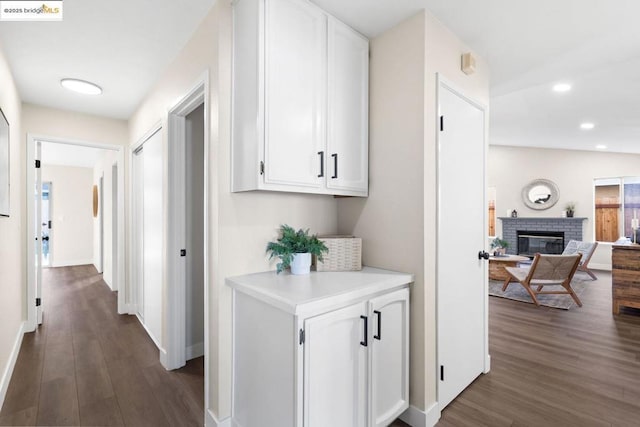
(87,365)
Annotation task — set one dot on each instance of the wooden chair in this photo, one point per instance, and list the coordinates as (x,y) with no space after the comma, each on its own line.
(586,249)
(546,270)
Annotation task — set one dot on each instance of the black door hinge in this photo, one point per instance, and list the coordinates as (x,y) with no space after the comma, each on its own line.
(37,164)
(49,224)
(301,336)
(441,123)
(183,252)
(441,372)
(38,302)
(261,168)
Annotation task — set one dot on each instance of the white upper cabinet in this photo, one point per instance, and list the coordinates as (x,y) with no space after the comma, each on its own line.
(300,100)
(295,69)
(348,108)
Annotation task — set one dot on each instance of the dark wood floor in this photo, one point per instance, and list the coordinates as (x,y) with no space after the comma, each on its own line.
(553,367)
(87,365)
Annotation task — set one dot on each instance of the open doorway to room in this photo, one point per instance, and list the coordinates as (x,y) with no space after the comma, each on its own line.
(63,232)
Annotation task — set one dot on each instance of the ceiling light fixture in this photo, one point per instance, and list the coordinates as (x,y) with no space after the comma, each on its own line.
(562,87)
(587,126)
(601,147)
(81,86)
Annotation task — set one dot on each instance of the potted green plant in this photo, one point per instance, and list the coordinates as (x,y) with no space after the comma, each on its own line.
(499,246)
(294,248)
(570,208)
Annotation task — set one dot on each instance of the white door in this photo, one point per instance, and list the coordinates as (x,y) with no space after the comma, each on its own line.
(461,279)
(335,368)
(39,234)
(148,200)
(389,317)
(348,109)
(295,73)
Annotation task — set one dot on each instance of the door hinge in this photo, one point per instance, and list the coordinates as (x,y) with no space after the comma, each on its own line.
(183,252)
(261,168)
(301,336)
(49,224)
(37,164)
(441,372)
(441,123)
(38,302)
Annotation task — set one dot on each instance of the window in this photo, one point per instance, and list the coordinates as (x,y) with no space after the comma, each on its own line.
(617,202)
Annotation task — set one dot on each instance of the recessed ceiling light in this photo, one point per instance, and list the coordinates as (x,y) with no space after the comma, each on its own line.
(81,86)
(587,125)
(601,147)
(562,87)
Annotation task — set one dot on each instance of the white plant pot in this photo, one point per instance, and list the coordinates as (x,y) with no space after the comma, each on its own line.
(301,263)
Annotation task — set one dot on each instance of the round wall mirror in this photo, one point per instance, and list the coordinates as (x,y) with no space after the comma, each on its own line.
(540,194)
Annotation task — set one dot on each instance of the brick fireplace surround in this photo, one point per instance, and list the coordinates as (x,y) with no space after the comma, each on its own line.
(572,228)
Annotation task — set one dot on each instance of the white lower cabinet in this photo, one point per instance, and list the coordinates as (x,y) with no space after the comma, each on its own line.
(328,349)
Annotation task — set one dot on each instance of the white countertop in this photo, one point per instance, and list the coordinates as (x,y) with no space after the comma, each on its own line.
(305,294)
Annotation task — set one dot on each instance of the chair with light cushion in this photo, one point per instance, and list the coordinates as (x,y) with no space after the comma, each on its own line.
(546,270)
(586,249)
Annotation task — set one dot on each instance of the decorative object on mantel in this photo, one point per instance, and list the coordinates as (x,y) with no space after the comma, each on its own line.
(345,254)
(540,194)
(499,246)
(570,208)
(294,248)
(514,214)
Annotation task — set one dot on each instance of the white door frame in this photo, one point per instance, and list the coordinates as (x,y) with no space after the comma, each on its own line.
(32,139)
(176,268)
(440,82)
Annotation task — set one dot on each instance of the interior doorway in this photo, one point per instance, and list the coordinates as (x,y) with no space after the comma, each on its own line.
(36,231)
(187,252)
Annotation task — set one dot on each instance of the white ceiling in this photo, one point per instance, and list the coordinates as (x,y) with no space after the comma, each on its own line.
(121,45)
(59,154)
(593,44)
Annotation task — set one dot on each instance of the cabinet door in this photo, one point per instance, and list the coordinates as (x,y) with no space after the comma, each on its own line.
(348,110)
(335,369)
(295,92)
(389,317)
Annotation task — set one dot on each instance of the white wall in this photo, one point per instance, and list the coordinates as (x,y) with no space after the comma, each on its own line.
(573,171)
(104,168)
(241,224)
(398,220)
(12,232)
(71,236)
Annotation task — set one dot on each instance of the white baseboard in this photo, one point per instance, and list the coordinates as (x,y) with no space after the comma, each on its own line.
(163,357)
(8,370)
(70,263)
(195,350)
(212,421)
(417,418)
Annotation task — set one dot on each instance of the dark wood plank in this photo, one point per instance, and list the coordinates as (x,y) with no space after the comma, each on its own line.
(137,403)
(58,404)
(577,367)
(104,412)
(87,365)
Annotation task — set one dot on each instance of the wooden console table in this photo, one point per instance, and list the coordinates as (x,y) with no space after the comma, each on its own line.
(498,263)
(625,276)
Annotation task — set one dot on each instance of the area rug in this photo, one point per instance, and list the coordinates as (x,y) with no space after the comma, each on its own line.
(517,292)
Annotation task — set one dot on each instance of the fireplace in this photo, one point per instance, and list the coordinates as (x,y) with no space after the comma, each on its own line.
(544,242)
